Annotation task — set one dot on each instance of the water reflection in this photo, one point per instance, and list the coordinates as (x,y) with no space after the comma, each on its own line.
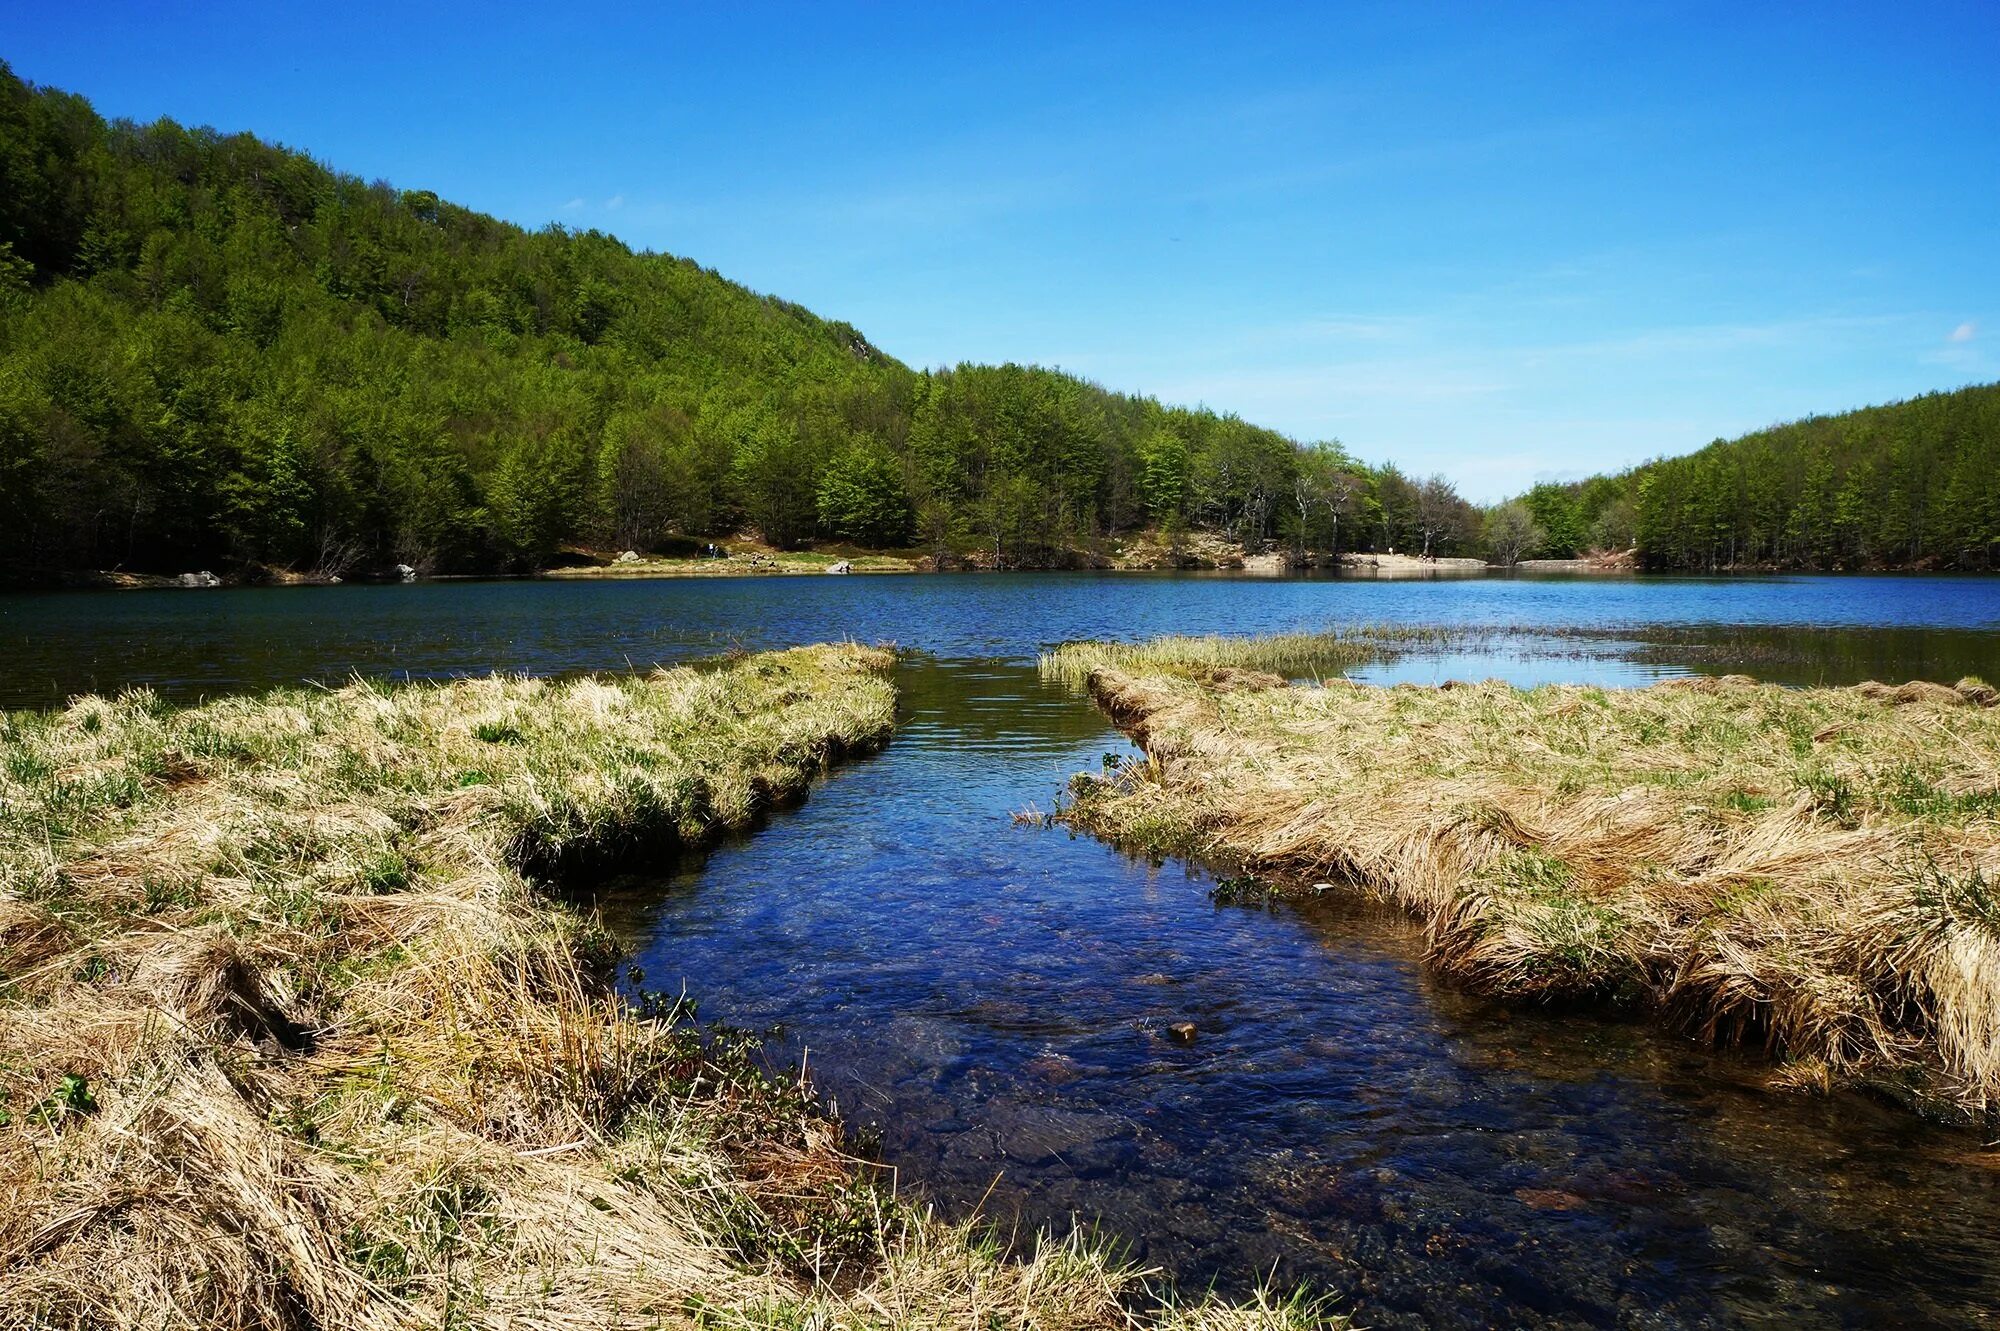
(1000,1000)
(192,643)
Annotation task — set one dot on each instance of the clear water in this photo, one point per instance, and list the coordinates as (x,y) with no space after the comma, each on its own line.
(996,997)
(192,642)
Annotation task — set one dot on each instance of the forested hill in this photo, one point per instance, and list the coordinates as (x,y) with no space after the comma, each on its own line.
(215,351)
(1912,484)
(218,353)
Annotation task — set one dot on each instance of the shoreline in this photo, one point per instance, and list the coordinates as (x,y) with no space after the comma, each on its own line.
(1801,869)
(308,1018)
(1267,567)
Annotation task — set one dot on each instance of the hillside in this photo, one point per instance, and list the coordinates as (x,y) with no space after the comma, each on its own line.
(219,353)
(216,352)
(1909,485)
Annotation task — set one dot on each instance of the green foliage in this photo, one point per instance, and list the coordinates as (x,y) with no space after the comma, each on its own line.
(217,352)
(72,1095)
(861,497)
(1512,532)
(1163,476)
(1912,484)
(1556,512)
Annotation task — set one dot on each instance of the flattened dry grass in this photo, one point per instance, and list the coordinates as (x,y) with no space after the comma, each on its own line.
(292,1035)
(1816,871)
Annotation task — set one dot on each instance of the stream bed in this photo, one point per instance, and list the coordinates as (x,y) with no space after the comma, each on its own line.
(997,1000)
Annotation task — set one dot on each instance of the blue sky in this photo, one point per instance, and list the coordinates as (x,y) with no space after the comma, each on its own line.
(1507,242)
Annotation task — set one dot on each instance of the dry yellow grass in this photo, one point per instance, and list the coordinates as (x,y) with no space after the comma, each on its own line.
(291,1034)
(1816,871)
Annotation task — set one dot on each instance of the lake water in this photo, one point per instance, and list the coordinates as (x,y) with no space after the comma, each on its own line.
(995,997)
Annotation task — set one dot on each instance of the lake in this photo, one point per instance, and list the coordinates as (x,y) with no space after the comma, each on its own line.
(994,998)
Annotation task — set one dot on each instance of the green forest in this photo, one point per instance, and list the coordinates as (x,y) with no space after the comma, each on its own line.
(1913,484)
(217,352)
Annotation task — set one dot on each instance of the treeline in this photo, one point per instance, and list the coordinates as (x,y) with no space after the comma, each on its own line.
(1913,484)
(217,351)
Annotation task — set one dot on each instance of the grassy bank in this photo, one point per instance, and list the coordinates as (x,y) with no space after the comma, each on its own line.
(1225,663)
(751,564)
(292,1033)
(1813,871)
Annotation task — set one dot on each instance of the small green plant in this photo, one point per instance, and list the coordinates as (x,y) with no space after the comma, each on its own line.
(1966,899)
(28,768)
(1832,796)
(1912,794)
(71,1096)
(1241,889)
(167,894)
(1744,802)
(386,871)
(495,732)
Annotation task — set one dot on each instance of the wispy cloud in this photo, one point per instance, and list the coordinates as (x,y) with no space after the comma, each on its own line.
(573,206)
(1722,337)
(615,202)
(1965,332)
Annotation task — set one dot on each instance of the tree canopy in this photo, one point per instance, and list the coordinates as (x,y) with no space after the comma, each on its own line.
(214,349)
(1911,484)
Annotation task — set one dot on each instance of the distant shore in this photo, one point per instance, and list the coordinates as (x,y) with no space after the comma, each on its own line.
(741,557)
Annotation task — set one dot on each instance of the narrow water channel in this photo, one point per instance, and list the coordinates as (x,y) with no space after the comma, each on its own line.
(997,999)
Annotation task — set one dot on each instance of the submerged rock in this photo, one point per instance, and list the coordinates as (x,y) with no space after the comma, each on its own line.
(1056,1069)
(1039,1134)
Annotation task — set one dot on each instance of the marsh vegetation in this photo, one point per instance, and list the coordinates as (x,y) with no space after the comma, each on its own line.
(297,1029)
(1814,871)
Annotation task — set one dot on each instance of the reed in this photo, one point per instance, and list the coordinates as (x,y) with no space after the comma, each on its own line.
(1816,871)
(294,1031)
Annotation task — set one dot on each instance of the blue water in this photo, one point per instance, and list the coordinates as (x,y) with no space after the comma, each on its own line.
(996,997)
(53,644)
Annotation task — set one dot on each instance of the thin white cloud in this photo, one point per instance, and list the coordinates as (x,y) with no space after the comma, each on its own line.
(574,205)
(1965,332)
(615,201)
(1698,338)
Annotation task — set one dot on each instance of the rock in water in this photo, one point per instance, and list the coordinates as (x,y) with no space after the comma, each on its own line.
(1040,1135)
(1183,1032)
(842,567)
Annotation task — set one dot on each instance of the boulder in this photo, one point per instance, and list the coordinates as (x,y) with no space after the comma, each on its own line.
(841,567)
(201,579)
